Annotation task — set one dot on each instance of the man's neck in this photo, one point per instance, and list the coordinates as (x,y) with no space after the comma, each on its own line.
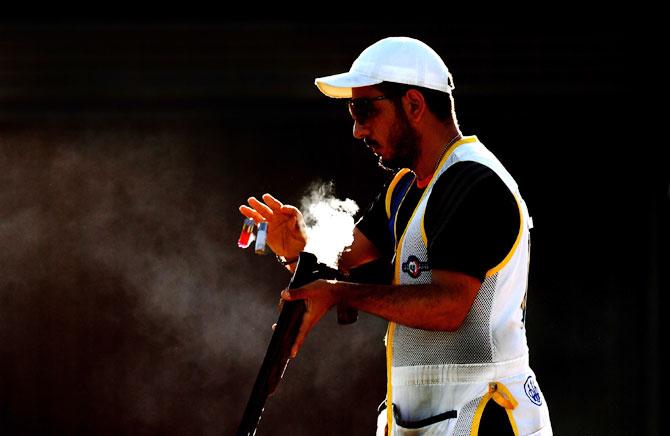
(433,150)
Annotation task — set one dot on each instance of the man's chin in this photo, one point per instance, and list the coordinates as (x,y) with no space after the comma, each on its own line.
(383,162)
(393,162)
(389,165)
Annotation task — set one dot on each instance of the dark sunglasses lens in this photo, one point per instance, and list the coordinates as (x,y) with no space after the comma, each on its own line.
(360,109)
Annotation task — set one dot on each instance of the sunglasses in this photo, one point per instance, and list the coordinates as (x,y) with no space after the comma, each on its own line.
(361,109)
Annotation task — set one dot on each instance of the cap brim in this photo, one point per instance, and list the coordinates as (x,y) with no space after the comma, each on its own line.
(339,85)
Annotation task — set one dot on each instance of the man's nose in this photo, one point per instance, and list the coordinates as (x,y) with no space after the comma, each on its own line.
(360,130)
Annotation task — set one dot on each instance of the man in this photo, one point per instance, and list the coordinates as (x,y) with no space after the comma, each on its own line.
(457,230)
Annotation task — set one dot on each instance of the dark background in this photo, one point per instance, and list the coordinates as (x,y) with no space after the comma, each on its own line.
(126,147)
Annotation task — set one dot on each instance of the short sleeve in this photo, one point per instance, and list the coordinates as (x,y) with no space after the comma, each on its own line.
(472,220)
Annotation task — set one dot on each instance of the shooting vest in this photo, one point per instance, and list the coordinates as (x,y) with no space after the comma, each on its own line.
(492,339)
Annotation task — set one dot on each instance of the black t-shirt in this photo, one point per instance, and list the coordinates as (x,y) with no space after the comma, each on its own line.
(471,220)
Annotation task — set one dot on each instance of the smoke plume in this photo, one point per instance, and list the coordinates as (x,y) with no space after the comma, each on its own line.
(330,222)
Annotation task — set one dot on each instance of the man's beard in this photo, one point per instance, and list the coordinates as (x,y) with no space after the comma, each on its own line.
(403,143)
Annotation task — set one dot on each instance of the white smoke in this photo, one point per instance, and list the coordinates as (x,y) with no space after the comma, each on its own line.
(330,223)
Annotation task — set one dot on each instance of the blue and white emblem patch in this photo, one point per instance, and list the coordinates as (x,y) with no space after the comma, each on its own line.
(532,392)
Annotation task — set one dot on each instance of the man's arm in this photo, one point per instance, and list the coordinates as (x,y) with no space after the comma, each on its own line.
(442,305)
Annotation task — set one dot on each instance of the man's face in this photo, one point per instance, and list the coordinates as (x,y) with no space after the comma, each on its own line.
(386,130)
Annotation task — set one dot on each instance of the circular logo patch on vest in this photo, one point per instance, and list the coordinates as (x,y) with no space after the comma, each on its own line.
(413,266)
(532,392)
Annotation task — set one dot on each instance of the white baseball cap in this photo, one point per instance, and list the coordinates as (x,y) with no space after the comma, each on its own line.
(396,59)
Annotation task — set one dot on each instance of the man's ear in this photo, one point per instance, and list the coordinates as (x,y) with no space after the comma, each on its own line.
(415,105)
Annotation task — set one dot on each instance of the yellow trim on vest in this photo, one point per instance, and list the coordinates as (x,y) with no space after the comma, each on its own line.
(396,267)
(507,258)
(479,411)
(389,376)
(423,232)
(447,153)
(502,396)
(467,139)
(389,192)
(395,221)
(499,393)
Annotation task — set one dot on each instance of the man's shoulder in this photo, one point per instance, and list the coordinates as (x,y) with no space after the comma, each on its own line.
(465,179)
(465,171)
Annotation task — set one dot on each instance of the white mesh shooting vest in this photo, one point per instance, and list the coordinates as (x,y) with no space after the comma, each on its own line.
(493,332)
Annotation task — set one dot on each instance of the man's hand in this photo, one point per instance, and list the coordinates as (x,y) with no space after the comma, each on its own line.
(286,226)
(320,296)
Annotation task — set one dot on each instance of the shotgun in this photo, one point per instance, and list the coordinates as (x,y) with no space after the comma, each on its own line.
(278,352)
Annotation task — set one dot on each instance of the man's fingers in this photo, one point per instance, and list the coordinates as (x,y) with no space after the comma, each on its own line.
(251,213)
(260,207)
(287,295)
(274,204)
(293,294)
(302,334)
